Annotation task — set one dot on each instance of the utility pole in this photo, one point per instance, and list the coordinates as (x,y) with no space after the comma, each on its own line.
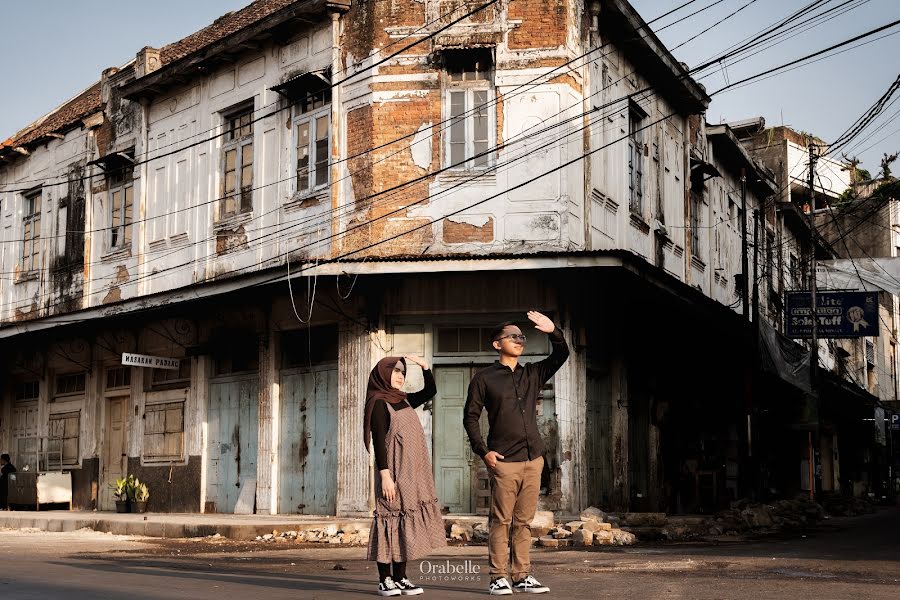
(814,363)
(745,293)
(814,356)
(756,268)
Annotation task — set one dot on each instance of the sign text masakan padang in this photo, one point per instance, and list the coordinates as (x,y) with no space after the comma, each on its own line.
(839,315)
(154,362)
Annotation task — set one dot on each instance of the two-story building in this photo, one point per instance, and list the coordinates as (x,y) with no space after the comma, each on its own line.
(303,187)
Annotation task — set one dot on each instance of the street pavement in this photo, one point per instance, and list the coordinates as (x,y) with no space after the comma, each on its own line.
(845,558)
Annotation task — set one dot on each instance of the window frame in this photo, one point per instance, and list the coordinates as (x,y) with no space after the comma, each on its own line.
(241,196)
(164,406)
(178,383)
(461,59)
(63,462)
(636,117)
(123,185)
(31,221)
(58,396)
(320,109)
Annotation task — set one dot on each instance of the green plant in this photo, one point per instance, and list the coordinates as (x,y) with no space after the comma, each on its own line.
(120,489)
(142,492)
(131,484)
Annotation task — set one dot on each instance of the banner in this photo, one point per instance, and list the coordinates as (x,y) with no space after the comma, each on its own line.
(838,315)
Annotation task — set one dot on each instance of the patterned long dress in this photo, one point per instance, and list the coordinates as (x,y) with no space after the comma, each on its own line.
(412,526)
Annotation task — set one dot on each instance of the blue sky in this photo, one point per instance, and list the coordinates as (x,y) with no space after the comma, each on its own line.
(823,98)
(53,49)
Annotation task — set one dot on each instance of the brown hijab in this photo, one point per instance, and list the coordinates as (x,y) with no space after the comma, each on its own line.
(379,387)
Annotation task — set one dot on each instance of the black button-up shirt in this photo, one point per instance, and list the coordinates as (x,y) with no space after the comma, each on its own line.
(510,397)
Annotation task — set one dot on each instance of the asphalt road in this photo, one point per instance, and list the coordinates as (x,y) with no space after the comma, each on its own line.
(846,558)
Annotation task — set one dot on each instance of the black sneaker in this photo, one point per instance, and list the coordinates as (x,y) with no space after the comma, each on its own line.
(388,588)
(500,587)
(408,588)
(531,586)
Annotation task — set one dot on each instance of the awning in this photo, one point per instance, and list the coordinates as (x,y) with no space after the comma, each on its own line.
(298,86)
(114,160)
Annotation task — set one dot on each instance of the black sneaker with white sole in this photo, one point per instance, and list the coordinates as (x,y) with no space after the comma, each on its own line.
(500,587)
(408,588)
(530,585)
(389,588)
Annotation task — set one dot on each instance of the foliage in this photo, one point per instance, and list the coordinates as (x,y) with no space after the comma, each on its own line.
(120,489)
(141,492)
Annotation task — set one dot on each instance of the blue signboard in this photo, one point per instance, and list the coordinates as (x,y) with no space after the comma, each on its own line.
(839,315)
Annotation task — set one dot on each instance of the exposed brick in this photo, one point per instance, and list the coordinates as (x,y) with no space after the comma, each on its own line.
(460,233)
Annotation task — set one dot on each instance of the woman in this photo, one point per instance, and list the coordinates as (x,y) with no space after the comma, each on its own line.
(407,523)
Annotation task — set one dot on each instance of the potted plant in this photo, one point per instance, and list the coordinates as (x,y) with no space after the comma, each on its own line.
(120,493)
(141,495)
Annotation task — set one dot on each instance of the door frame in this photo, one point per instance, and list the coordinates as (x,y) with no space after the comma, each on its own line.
(316,368)
(128,393)
(212,381)
(472,367)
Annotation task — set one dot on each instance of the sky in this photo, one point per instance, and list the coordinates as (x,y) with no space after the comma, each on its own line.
(54,49)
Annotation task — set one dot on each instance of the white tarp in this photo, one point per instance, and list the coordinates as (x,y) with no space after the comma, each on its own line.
(865,274)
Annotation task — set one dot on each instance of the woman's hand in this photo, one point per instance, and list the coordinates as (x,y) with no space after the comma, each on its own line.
(419,361)
(388,487)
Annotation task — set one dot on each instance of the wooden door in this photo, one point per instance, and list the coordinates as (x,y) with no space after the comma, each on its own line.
(25,436)
(459,474)
(598,437)
(115,449)
(308,442)
(233,425)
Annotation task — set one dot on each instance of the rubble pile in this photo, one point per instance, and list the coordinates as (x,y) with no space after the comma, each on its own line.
(593,528)
(330,534)
(837,505)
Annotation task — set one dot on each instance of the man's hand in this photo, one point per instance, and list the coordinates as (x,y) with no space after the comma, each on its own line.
(490,459)
(419,361)
(388,487)
(541,322)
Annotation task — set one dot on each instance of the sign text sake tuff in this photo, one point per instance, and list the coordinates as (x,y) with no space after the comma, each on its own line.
(153,362)
(838,315)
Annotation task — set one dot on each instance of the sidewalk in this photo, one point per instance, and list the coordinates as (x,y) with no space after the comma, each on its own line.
(172,525)
(183,525)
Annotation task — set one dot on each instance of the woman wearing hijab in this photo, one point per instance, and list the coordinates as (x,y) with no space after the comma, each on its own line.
(408,522)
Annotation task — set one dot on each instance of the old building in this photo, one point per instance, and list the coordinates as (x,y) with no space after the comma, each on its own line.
(303,187)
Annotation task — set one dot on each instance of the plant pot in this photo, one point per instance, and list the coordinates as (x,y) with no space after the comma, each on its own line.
(138,507)
(123,506)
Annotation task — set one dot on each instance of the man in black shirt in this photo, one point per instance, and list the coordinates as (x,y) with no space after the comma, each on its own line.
(514,449)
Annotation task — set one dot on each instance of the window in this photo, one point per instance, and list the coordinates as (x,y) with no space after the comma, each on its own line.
(794,266)
(469,108)
(164,431)
(161,379)
(237,358)
(27,391)
(237,192)
(452,339)
(118,377)
(770,258)
(312,126)
(62,441)
(121,206)
(635,161)
(696,221)
(305,347)
(31,238)
(70,385)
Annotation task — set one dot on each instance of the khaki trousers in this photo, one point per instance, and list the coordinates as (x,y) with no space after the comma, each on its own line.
(514,494)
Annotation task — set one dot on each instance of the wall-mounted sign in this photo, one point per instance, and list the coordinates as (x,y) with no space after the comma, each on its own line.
(838,314)
(154,362)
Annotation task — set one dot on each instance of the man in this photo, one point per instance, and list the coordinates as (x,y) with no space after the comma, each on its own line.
(6,467)
(514,449)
